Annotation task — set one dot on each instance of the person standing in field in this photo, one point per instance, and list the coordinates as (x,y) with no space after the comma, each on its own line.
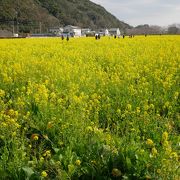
(67,38)
(99,37)
(62,37)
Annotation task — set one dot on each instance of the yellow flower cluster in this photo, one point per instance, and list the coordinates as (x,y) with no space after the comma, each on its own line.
(106,91)
(47,153)
(150,142)
(44,174)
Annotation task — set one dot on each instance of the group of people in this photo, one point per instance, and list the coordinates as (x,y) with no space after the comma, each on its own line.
(97,36)
(67,37)
(123,36)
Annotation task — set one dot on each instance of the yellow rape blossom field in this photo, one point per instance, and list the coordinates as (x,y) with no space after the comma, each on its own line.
(87,109)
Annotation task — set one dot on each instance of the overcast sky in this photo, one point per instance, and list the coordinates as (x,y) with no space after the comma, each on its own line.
(136,12)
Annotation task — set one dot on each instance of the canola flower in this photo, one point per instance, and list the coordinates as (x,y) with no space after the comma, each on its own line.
(164,136)
(89,129)
(108,95)
(78,162)
(44,174)
(41,159)
(47,154)
(116,172)
(50,125)
(35,137)
(2,93)
(154,151)
(149,142)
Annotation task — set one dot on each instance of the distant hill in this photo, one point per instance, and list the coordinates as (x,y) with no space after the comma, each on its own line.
(39,15)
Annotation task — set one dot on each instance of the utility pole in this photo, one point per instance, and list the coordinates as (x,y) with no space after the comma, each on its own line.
(13,27)
(17,28)
(40,27)
(17,14)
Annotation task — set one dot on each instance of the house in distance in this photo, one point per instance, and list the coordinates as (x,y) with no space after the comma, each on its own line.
(114,32)
(73,31)
(104,32)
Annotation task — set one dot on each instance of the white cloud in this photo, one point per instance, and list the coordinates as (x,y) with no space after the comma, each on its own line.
(135,12)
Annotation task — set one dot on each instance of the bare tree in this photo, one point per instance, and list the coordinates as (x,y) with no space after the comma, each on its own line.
(145,29)
(173,29)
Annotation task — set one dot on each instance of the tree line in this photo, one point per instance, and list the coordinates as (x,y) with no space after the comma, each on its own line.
(154,29)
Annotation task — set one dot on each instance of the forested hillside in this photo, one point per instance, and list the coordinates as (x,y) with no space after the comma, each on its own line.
(32,15)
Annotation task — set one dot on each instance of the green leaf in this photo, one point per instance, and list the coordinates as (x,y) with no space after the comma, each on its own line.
(56,150)
(128,162)
(28,171)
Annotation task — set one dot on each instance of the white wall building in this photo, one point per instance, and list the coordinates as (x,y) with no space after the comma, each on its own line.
(114,31)
(72,30)
(85,31)
(104,32)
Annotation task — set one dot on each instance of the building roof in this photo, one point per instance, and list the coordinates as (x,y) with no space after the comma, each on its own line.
(113,29)
(73,27)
